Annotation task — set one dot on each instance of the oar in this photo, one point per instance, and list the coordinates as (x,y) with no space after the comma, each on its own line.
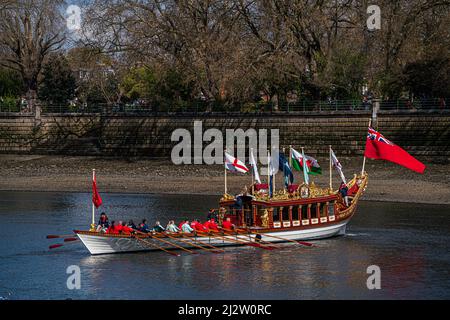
(70,239)
(216,250)
(54,246)
(259,241)
(53,236)
(270,244)
(207,244)
(167,242)
(284,239)
(158,247)
(251,244)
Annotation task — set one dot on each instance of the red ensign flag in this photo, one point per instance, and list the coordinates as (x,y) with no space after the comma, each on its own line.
(96,199)
(378,147)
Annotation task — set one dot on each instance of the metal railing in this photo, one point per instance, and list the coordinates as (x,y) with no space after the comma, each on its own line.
(302,107)
(433,104)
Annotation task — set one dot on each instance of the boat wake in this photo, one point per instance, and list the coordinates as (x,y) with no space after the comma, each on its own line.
(357,234)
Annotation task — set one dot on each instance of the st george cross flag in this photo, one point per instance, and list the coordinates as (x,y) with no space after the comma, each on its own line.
(378,147)
(233,164)
(96,199)
(337,165)
(254,167)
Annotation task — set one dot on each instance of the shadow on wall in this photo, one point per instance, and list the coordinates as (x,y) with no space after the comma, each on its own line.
(150,136)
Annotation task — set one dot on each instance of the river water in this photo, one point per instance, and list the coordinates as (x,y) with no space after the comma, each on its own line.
(409,242)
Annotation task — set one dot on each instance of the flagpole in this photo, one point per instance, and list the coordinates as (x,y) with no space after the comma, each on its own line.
(225,170)
(274,175)
(331,184)
(253,169)
(305,166)
(268,173)
(364,160)
(290,157)
(284,173)
(290,162)
(93,205)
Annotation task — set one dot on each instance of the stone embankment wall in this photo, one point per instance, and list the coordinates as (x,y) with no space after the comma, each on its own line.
(424,135)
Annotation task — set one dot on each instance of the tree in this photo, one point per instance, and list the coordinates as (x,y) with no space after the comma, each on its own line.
(430,78)
(58,84)
(10,83)
(232,51)
(29,32)
(98,75)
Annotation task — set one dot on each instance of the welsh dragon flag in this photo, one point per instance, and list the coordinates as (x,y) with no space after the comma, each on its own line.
(311,163)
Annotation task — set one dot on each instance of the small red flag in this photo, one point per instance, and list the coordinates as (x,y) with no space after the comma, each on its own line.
(96,199)
(378,147)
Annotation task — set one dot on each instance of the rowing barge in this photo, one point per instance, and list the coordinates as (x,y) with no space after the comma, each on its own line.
(305,212)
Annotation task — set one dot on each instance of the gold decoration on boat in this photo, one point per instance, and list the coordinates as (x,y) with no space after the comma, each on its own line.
(226,197)
(265,219)
(315,191)
(304,191)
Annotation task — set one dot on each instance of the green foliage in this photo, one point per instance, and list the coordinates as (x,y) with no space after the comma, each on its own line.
(139,83)
(343,77)
(9,103)
(58,85)
(166,89)
(429,78)
(11,84)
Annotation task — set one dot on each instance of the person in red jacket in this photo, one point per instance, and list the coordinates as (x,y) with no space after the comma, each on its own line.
(119,227)
(112,228)
(206,225)
(199,226)
(126,229)
(213,225)
(227,225)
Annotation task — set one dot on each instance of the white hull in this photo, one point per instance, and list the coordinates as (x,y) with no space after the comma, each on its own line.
(105,245)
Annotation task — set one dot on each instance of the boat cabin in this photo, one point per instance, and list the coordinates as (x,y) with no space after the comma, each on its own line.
(281,211)
(302,206)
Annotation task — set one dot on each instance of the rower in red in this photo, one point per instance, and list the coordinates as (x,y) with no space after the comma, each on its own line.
(212,225)
(126,229)
(227,225)
(112,228)
(199,226)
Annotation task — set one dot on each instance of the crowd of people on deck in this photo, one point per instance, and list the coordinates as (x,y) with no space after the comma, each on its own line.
(185,226)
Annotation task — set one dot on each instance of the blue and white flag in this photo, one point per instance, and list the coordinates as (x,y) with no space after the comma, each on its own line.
(284,166)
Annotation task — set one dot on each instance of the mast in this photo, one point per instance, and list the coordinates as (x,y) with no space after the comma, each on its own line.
(305,168)
(290,156)
(268,172)
(290,163)
(274,175)
(93,205)
(364,160)
(226,191)
(225,169)
(284,173)
(253,171)
(331,167)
